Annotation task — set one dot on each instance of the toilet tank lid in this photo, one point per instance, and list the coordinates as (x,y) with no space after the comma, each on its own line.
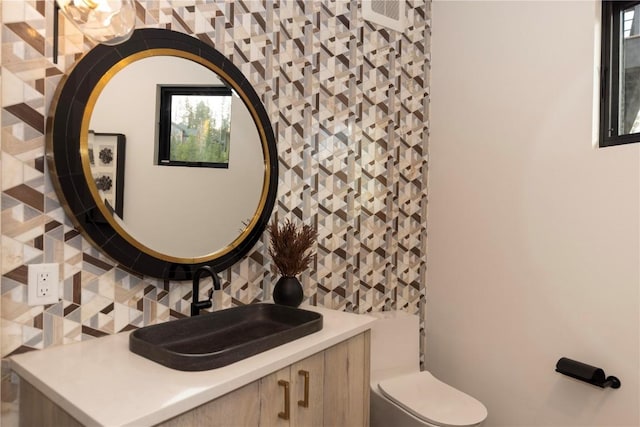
(431,400)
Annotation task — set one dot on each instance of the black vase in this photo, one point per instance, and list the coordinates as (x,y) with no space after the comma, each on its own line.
(288,291)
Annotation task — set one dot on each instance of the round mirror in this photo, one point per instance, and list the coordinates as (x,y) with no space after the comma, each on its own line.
(163,155)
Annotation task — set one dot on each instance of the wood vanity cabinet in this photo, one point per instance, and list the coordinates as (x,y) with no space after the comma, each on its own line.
(329,388)
(337,382)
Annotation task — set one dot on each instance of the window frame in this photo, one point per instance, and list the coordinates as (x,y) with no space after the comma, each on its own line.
(165,94)
(610,67)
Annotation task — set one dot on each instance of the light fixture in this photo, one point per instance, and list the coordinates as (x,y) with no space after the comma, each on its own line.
(104,21)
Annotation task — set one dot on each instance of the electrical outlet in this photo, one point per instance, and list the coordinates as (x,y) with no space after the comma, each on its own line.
(43,284)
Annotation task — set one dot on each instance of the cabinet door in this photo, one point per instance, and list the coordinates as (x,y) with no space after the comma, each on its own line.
(36,409)
(283,393)
(237,408)
(307,378)
(275,398)
(346,383)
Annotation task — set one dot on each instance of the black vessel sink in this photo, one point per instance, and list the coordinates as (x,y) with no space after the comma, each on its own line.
(217,339)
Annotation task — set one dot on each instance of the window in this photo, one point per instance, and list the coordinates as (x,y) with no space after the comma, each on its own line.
(195,126)
(620,73)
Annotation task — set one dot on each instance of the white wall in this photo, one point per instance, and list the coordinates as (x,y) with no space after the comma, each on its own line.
(533,231)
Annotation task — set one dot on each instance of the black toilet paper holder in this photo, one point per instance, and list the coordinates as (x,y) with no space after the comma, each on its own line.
(587,373)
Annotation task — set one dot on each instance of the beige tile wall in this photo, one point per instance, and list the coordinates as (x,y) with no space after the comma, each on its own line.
(348,101)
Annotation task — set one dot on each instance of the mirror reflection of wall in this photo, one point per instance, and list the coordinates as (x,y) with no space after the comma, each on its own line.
(182,211)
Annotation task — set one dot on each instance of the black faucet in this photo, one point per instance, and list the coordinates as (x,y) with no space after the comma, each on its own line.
(197,305)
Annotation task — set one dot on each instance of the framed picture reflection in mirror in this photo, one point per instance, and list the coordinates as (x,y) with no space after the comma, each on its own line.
(106,157)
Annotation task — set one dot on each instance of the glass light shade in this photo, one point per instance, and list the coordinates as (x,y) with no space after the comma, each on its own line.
(104,21)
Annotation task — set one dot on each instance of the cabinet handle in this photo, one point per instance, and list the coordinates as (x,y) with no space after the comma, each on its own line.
(304,403)
(285,414)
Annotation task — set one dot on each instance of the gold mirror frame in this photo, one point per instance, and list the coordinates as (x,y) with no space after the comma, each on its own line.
(68,158)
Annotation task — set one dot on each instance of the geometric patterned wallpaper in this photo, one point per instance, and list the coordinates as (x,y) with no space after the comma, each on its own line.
(348,101)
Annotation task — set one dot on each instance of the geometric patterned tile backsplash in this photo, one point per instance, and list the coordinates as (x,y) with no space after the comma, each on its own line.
(348,101)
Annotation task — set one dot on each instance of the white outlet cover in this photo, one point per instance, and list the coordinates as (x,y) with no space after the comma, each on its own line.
(53,295)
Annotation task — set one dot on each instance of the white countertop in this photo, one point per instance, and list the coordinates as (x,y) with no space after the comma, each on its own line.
(100,382)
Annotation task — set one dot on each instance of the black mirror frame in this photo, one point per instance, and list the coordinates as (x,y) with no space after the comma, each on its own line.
(65,160)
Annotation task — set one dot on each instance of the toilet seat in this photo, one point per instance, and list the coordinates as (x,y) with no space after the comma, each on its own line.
(429,399)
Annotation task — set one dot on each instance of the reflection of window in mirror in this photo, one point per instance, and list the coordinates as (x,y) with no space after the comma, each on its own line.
(194,126)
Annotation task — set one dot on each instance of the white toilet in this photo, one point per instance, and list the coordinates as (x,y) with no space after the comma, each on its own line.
(402,395)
